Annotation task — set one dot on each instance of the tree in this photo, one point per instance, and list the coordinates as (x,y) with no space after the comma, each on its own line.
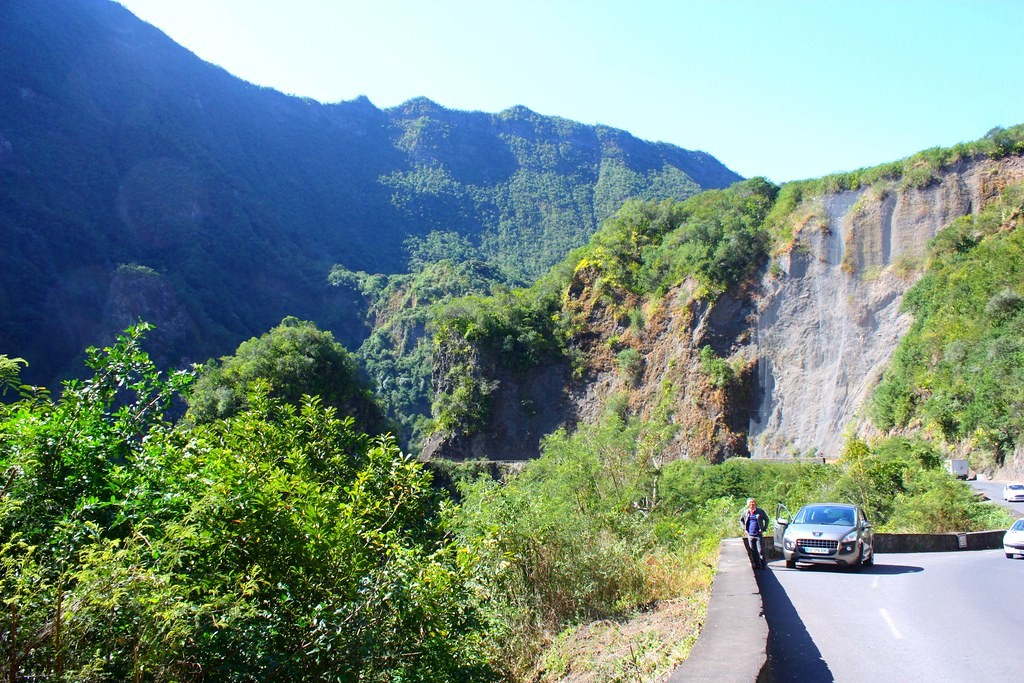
(277,544)
(296,359)
(10,372)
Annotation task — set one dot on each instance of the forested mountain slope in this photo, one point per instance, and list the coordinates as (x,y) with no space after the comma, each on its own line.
(137,181)
(759,320)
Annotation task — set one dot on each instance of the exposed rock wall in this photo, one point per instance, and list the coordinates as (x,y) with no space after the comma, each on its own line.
(827,325)
(671,386)
(667,386)
(807,346)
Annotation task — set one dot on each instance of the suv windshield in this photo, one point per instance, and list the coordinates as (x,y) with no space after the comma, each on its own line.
(825,514)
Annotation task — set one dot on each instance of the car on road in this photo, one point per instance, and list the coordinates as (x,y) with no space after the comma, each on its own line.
(1013,539)
(825,533)
(1013,493)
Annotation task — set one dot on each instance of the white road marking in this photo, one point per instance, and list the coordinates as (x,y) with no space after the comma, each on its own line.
(874,584)
(892,627)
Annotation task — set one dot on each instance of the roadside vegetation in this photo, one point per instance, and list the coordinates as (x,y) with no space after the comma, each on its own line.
(282,542)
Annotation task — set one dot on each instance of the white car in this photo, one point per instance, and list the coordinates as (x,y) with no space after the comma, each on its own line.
(1013,540)
(1013,493)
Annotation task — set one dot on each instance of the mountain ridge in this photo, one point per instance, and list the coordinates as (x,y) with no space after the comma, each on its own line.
(120,147)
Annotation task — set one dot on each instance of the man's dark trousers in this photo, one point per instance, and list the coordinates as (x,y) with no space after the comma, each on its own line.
(755,548)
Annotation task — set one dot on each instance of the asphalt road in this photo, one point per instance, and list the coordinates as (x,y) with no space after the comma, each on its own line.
(912,617)
(994,491)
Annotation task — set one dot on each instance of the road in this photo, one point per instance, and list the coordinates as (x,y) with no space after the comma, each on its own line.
(993,490)
(912,617)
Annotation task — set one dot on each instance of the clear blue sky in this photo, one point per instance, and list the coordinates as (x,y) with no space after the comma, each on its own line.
(786,89)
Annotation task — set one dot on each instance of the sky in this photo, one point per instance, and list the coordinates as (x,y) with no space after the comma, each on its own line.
(785,89)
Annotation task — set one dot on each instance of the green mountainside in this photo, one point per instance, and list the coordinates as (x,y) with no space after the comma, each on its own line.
(137,181)
(654,319)
(253,519)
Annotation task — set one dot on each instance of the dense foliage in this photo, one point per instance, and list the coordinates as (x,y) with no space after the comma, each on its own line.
(295,359)
(277,544)
(959,371)
(397,355)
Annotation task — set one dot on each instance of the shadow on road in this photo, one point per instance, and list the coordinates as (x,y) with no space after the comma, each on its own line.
(873,570)
(792,654)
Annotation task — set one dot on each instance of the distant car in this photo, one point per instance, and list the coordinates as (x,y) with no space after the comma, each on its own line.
(825,533)
(1013,539)
(1013,493)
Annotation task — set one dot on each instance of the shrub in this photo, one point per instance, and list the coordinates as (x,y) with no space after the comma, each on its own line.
(631,365)
(279,543)
(717,370)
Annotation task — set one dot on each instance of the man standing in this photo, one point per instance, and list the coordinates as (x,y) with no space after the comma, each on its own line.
(755,523)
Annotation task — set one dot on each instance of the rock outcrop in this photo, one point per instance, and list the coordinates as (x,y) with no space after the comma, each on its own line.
(828,324)
(805,346)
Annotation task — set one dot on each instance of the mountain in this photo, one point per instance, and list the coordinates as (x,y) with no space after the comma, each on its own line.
(783,358)
(137,181)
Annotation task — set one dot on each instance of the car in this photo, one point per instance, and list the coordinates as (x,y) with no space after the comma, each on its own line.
(1013,539)
(1013,493)
(825,533)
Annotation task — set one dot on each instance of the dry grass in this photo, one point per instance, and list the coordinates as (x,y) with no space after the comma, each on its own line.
(647,646)
(643,649)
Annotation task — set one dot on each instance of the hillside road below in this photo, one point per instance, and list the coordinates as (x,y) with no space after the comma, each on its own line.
(951,616)
(993,490)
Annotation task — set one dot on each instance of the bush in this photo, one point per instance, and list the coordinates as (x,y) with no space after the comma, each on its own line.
(631,365)
(717,370)
(280,543)
(958,369)
(577,535)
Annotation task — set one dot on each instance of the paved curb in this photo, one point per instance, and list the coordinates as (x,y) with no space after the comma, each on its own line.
(733,644)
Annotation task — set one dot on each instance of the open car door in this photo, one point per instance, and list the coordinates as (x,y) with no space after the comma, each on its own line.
(782,519)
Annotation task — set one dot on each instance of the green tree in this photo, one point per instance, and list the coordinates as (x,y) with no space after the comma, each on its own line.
(297,360)
(10,373)
(278,544)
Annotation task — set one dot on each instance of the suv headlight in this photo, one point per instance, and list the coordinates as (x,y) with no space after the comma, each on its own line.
(852,536)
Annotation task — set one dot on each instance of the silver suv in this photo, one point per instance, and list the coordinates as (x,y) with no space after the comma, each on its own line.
(825,533)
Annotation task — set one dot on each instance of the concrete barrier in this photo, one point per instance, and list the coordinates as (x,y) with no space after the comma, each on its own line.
(733,644)
(928,543)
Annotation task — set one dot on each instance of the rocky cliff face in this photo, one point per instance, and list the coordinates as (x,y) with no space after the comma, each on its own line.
(664,382)
(828,324)
(806,345)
